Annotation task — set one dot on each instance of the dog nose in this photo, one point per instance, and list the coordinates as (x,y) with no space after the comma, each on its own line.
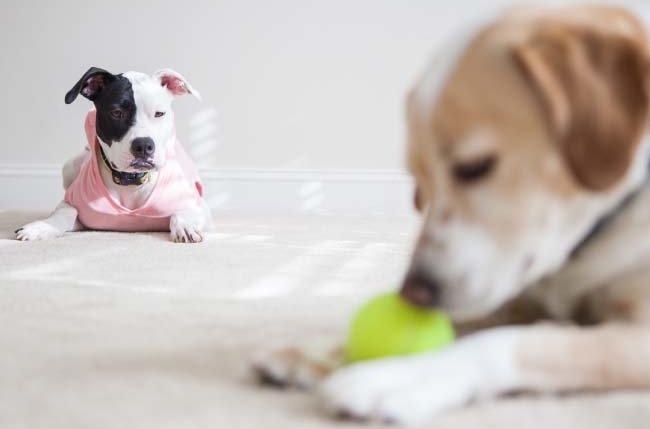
(143,147)
(421,289)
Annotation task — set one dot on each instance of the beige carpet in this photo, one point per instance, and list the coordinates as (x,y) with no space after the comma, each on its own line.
(107,330)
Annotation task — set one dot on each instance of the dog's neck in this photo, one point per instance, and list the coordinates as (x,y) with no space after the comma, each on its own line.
(130,197)
(615,245)
(624,204)
(604,221)
(125,178)
(617,251)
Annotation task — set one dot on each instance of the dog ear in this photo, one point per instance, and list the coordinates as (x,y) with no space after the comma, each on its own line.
(90,84)
(175,83)
(593,87)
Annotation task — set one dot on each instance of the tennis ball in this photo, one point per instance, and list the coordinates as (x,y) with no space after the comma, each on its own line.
(388,326)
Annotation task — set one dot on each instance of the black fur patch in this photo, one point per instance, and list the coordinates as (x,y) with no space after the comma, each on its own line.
(118,94)
(109,93)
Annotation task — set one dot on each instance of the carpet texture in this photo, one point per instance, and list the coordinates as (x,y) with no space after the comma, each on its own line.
(108,330)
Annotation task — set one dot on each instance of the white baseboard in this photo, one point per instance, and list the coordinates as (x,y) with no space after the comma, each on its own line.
(290,191)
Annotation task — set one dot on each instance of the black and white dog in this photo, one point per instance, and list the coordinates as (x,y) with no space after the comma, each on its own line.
(134,175)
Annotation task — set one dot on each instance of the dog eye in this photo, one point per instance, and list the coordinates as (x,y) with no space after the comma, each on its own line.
(468,172)
(159,114)
(117,114)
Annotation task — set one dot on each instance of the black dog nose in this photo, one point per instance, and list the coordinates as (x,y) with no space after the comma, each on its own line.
(143,147)
(421,289)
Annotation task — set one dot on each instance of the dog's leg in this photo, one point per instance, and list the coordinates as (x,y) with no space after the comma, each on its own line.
(304,367)
(539,358)
(63,219)
(72,167)
(188,226)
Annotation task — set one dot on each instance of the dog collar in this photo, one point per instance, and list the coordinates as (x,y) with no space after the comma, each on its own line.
(602,223)
(123,178)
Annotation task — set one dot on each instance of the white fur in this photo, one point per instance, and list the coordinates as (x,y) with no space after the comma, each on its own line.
(188,225)
(63,219)
(411,390)
(437,72)
(435,75)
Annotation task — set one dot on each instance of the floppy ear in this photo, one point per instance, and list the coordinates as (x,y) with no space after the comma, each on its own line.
(593,87)
(175,83)
(90,84)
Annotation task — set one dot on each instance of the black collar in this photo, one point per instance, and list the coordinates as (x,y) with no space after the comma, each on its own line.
(124,178)
(606,219)
(603,222)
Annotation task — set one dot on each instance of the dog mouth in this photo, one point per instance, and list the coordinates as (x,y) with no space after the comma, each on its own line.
(142,164)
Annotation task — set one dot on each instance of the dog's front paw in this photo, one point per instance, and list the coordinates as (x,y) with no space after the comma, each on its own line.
(185,230)
(39,230)
(404,390)
(296,367)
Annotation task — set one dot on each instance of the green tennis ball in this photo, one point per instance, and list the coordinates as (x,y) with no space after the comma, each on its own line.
(388,326)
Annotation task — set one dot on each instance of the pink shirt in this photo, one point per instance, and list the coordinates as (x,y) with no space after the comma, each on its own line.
(177,187)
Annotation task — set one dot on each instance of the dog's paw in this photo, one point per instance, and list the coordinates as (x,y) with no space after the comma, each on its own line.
(39,230)
(185,230)
(294,367)
(187,234)
(405,390)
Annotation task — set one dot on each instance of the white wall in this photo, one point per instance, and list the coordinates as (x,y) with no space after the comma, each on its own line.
(312,84)
(286,83)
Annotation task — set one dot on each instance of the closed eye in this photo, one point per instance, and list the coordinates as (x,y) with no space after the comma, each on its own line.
(473,171)
(159,114)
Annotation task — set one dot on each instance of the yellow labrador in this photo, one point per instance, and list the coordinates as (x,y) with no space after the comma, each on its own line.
(530,151)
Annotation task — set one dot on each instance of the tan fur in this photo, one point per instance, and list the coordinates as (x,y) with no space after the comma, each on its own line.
(604,357)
